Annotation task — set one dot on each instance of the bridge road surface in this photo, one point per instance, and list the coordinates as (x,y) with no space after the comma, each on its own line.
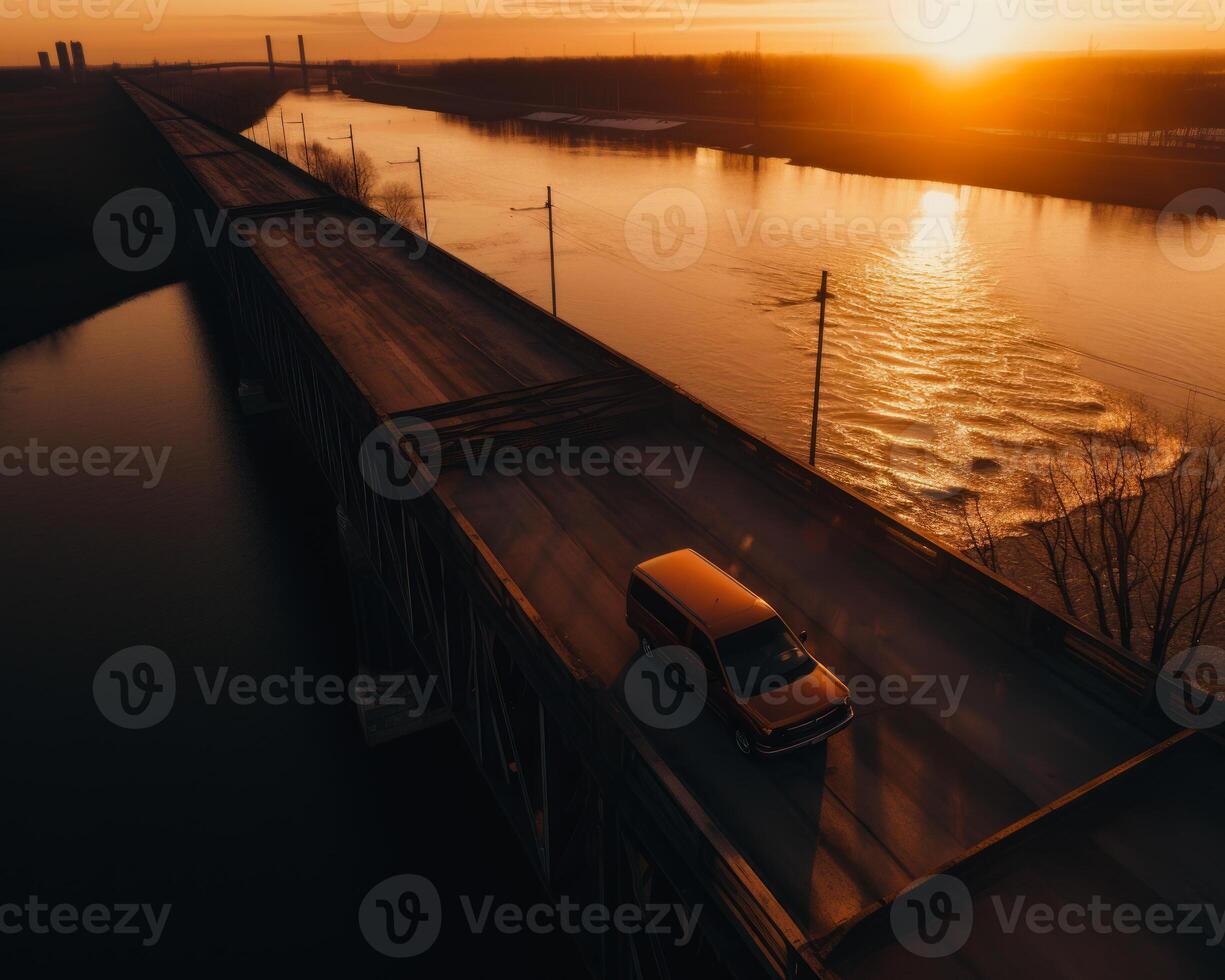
(906,787)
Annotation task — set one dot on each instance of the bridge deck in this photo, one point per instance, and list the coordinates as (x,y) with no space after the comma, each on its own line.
(899,792)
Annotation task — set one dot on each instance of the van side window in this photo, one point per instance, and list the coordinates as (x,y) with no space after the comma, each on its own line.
(668,615)
(705,651)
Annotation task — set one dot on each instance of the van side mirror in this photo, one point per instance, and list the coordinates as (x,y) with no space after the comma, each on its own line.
(803,636)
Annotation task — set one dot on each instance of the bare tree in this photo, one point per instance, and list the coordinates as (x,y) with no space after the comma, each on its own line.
(1094,503)
(1185,567)
(981,531)
(337,171)
(399,202)
(1130,533)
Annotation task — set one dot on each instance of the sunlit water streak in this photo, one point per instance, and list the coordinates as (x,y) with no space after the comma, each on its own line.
(945,370)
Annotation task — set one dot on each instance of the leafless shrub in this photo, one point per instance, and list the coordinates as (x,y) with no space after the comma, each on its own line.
(338,172)
(399,202)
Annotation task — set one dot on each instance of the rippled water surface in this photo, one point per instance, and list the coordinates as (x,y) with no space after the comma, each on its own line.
(970,328)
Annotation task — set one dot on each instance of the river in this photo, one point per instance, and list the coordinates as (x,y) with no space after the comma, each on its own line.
(970,328)
(261,825)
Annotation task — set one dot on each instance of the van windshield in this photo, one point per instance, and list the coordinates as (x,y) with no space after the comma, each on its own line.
(764,654)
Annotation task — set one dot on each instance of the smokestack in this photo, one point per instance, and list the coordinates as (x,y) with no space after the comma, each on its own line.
(306,81)
(268,45)
(44,61)
(61,52)
(78,60)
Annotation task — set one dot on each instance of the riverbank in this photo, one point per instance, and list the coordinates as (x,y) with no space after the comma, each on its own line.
(1094,172)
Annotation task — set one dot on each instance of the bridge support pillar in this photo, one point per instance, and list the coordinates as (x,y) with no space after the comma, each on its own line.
(268,45)
(306,79)
(393,692)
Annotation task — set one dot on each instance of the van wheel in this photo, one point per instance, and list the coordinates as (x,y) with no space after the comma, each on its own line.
(743,743)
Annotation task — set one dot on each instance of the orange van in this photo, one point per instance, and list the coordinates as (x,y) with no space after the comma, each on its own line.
(772,694)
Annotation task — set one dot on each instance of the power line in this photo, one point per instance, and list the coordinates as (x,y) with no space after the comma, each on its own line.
(1188,385)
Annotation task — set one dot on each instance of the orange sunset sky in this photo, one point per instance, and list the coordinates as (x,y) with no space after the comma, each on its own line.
(953,30)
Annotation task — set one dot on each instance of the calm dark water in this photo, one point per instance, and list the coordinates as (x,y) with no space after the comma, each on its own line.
(261,826)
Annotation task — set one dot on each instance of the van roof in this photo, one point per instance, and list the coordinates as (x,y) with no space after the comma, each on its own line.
(715,599)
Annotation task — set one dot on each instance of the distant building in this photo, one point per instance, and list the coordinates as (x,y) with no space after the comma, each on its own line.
(61,52)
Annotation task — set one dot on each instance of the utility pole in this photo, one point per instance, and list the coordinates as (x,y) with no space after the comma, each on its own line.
(552,261)
(353,147)
(548,206)
(306,160)
(425,223)
(821,297)
(306,79)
